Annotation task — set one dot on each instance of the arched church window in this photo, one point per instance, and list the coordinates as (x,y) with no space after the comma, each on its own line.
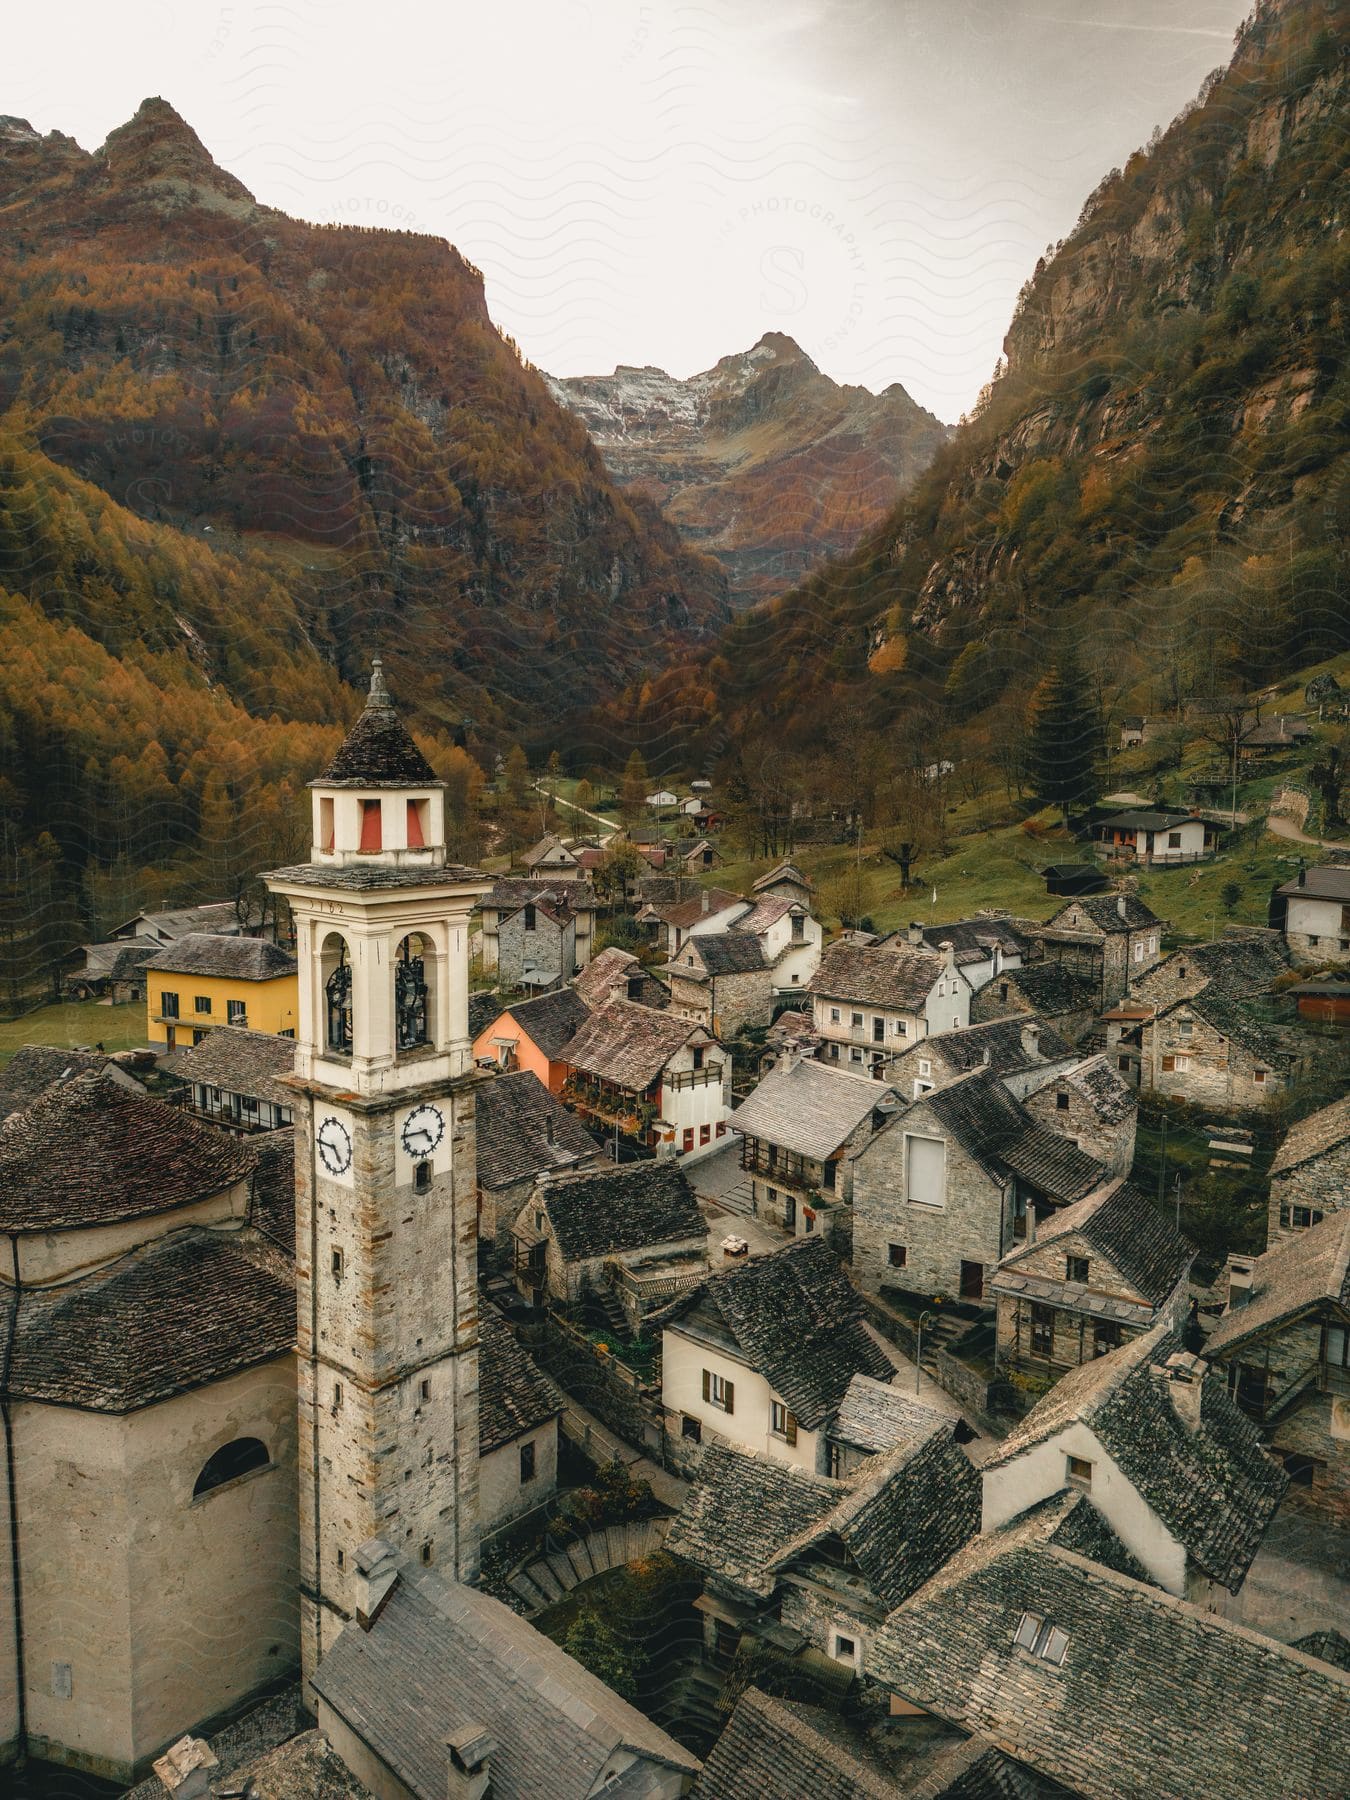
(338,988)
(239,1457)
(410,995)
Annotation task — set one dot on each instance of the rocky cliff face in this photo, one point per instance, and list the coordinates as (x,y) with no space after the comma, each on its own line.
(762,460)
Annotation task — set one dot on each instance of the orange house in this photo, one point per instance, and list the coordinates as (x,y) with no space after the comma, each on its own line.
(534,1035)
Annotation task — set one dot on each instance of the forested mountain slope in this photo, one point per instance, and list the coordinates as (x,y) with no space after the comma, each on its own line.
(1158,471)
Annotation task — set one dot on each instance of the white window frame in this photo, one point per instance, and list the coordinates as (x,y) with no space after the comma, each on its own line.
(841,1635)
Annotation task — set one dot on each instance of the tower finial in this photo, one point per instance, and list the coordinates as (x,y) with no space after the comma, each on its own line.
(379,693)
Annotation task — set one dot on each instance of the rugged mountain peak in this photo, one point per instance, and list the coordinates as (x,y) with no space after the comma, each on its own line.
(159,148)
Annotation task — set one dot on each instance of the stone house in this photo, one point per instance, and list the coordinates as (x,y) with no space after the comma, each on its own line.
(537,945)
(1241,963)
(618,975)
(1046,1636)
(236,1078)
(434,1688)
(1284,1346)
(571,898)
(551,860)
(1111,938)
(635,1229)
(114,971)
(787,882)
(792,1035)
(652,1076)
(761,1355)
(722,981)
(943,1192)
(1168,1460)
(1313,911)
(151,1424)
(1310,1176)
(1106,1269)
(707,910)
(984,945)
(1091,1104)
(789,938)
(1213,1050)
(783,1550)
(1056,994)
(871,1004)
(1019,1050)
(535,1035)
(873,1417)
(702,854)
(518,1412)
(800,1131)
(524,1132)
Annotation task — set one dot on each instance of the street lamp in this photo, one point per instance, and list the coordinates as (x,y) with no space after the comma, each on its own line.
(925,1318)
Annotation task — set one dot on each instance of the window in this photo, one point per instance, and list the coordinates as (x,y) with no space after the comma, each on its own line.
(1105,1337)
(371,838)
(721,1128)
(834,1015)
(1042,1330)
(230,1462)
(1078,1471)
(1185,1028)
(878,1031)
(419,817)
(1174,840)
(199,1037)
(705,1134)
(236,1011)
(691,1428)
(527,1466)
(898,1255)
(1003,990)
(900,1028)
(422,1178)
(1303,1471)
(341,1559)
(855,1054)
(1123,1062)
(1259,1077)
(426,1552)
(426,1390)
(337,1264)
(1061,1100)
(201,1003)
(337,1395)
(925,1171)
(718,1391)
(798,928)
(925,1068)
(856,1020)
(1041,1638)
(168,1006)
(1338,1347)
(1076,1268)
(782,1424)
(688,1138)
(698,1056)
(844,1648)
(529,916)
(325,824)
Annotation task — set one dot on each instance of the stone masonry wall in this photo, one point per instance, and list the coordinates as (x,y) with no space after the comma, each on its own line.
(1322,1183)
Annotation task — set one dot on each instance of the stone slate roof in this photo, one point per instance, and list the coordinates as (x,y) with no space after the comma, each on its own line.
(1052,989)
(1239,966)
(1002,1038)
(633,1207)
(378,751)
(230,958)
(548,846)
(606,975)
(809,1108)
(441,1657)
(1121,1225)
(766,911)
(874,1416)
(242,1062)
(1311,1137)
(509,896)
(1327,1646)
(1154,1697)
(513,1396)
(180,1311)
(887,975)
(369,878)
(1215,1489)
(91,1151)
(742,1509)
(979,935)
(272,1205)
(1110,1099)
(551,1022)
(1267,1039)
(628,1044)
(1319,884)
(1105,913)
(34,1068)
(798,1321)
(684,913)
(784,871)
(513,1115)
(726,952)
(484,1010)
(1308,1270)
(117,960)
(993,1128)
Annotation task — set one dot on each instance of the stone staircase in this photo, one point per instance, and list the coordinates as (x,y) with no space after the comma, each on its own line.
(610,1309)
(738,1199)
(692,1711)
(543,1582)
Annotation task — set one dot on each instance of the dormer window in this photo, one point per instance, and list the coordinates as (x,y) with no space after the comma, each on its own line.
(1041,1638)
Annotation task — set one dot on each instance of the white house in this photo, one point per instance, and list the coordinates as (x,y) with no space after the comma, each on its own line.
(662,798)
(651,1075)
(1148,836)
(789,938)
(1317,915)
(870,1004)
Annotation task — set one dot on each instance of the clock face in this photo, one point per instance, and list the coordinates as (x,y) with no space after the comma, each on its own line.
(335,1146)
(423,1129)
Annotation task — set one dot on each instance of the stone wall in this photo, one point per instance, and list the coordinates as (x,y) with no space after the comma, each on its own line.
(1322,1183)
(1220,1072)
(1079,1121)
(602,1385)
(549,951)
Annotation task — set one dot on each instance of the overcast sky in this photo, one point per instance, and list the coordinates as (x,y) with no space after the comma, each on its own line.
(661,183)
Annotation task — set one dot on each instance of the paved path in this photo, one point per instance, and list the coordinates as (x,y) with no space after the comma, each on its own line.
(1283,826)
(601,1445)
(929,1393)
(571,806)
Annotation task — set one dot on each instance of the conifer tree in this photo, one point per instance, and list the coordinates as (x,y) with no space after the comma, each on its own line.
(1064,746)
(633,791)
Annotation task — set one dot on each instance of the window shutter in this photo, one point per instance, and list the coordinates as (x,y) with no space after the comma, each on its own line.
(791,1433)
(707,1386)
(1169,1062)
(728,1388)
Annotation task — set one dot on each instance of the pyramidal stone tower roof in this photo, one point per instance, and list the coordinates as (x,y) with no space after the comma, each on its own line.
(378,751)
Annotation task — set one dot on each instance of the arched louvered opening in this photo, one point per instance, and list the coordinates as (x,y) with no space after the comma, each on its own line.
(239,1457)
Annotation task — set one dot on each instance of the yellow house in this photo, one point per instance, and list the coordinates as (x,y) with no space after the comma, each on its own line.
(203,981)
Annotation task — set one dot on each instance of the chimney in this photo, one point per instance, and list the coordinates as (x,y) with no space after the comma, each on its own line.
(985,1057)
(915,933)
(469,1774)
(1302,873)
(997,959)
(706,901)
(186,1769)
(376,1578)
(1120,906)
(1031,1042)
(1240,1272)
(947,951)
(1183,1375)
(550,1130)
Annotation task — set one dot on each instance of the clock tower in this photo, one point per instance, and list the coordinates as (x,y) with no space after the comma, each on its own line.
(385,1213)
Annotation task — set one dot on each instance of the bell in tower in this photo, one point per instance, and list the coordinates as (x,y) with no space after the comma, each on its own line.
(386,1246)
